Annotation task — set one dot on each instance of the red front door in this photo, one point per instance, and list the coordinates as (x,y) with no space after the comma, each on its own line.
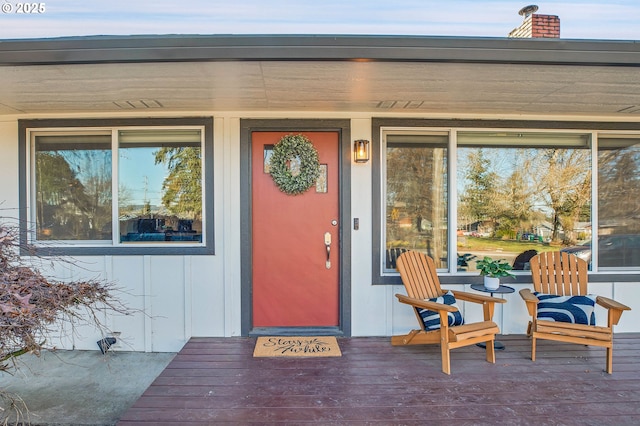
(295,246)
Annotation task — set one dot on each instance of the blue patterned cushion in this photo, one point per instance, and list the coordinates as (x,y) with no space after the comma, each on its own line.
(573,309)
(431,319)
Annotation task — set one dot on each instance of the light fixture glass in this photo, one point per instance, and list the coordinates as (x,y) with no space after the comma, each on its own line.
(361,151)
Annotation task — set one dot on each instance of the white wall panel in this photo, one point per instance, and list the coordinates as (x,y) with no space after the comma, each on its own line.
(515,315)
(9,169)
(127,274)
(370,308)
(623,292)
(403,319)
(92,268)
(165,275)
(207,296)
(228,245)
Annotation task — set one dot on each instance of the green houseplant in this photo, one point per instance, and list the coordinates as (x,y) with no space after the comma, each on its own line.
(493,270)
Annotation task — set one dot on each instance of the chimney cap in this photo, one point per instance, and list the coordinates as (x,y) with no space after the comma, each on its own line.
(528,10)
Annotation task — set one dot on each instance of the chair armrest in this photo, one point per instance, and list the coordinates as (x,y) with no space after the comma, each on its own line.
(614,309)
(488,303)
(531,300)
(425,304)
(528,296)
(476,298)
(607,303)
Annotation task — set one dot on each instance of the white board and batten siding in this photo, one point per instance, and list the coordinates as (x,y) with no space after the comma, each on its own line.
(174,298)
(169,300)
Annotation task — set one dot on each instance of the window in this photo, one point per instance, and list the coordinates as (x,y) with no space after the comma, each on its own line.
(459,191)
(128,186)
(416,196)
(72,194)
(160,186)
(521,193)
(618,202)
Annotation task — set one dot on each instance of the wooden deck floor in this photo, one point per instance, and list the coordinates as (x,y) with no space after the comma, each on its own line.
(217,380)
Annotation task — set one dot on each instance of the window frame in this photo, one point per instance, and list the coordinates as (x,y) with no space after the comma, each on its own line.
(380,126)
(110,247)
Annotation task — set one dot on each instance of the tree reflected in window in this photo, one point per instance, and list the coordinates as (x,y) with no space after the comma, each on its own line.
(73,187)
(161,181)
(416,196)
(521,193)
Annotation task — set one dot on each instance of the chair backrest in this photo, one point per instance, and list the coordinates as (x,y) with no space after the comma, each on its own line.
(560,273)
(418,273)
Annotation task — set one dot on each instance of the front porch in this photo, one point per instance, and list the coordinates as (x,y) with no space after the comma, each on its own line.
(217,380)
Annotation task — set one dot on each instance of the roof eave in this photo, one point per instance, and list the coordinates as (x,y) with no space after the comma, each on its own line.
(193,48)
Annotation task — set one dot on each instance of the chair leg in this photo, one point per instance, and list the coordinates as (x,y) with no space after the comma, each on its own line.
(533,347)
(529,329)
(491,351)
(446,360)
(609,360)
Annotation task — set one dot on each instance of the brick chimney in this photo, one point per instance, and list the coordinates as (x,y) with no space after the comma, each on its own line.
(536,26)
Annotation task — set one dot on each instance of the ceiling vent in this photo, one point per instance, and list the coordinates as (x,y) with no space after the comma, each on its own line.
(400,104)
(632,109)
(140,104)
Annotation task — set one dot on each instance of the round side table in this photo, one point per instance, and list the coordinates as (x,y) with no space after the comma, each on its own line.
(502,289)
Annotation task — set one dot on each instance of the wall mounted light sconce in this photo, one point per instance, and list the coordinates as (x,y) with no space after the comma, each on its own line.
(361,151)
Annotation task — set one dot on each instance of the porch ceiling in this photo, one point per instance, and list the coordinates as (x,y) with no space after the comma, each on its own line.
(302,83)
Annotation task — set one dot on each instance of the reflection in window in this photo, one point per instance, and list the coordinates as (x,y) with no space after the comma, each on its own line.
(521,193)
(160,186)
(73,187)
(416,196)
(618,201)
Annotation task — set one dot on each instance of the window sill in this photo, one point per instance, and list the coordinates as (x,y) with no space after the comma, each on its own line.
(135,250)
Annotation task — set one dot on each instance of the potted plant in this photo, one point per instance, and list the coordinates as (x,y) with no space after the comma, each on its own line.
(492,270)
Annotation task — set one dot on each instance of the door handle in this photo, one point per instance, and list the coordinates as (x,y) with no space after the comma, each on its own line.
(327,243)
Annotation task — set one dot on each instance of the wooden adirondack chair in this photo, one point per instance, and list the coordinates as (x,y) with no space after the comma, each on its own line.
(418,273)
(562,274)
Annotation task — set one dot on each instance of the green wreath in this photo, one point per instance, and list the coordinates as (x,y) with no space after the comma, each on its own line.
(294,164)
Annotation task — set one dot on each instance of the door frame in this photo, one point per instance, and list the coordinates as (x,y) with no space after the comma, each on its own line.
(343,128)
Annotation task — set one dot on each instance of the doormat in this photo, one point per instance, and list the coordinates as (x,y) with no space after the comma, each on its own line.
(296,346)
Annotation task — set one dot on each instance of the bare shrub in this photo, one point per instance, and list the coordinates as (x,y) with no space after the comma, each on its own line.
(33,307)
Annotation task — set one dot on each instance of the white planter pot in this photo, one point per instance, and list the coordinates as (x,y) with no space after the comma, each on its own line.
(491,283)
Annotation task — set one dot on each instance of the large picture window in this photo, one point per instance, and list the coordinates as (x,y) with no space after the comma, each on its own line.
(135,189)
(520,194)
(462,193)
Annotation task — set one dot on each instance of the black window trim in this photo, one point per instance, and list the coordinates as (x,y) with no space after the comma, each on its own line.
(378,123)
(24,126)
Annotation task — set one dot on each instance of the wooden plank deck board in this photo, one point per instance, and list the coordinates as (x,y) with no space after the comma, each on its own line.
(217,381)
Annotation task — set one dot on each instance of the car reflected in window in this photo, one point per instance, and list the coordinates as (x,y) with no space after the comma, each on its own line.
(615,251)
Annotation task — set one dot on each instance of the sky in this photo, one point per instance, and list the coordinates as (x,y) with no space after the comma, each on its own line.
(579,19)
